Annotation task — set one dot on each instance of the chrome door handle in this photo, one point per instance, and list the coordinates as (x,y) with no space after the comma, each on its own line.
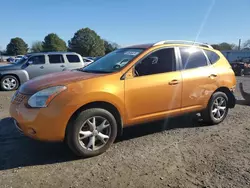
(173,82)
(213,75)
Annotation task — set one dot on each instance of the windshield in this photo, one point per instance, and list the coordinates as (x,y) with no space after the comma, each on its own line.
(21,61)
(114,61)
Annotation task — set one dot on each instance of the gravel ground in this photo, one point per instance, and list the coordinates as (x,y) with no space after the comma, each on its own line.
(179,153)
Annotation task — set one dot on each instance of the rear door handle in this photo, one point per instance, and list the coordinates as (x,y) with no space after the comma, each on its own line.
(62,66)
(173,82)
(42,67)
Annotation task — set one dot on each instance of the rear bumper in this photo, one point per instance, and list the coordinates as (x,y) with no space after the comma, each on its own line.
(246,71)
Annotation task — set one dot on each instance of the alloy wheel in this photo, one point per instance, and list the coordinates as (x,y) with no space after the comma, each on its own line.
(94,133)
(219,108)
(9,83)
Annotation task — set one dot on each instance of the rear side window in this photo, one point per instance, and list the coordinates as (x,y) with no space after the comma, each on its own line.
(212,56)
(56,59)
(37,60)
(73,58)
(192,58)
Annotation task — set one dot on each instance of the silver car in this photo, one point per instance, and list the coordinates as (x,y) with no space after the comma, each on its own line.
(36,64)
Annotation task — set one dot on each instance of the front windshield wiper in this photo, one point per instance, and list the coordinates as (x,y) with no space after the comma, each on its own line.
(94,71)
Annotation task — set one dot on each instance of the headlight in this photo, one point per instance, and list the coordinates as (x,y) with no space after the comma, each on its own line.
(42,98)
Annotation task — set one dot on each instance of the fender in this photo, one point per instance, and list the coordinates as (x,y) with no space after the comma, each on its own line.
(80,100)
(22,75)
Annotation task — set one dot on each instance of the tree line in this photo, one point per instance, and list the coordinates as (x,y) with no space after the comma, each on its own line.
(226,46)
(85,41)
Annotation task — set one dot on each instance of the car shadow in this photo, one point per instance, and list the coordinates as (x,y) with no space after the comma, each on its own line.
(243,102)
(17,150)
(184,121)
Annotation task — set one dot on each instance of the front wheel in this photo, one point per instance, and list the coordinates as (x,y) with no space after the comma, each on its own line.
(9,83)
(217,109)
(92,133)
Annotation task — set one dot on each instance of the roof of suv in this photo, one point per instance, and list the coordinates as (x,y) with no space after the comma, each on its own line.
(50,53)
(171,42)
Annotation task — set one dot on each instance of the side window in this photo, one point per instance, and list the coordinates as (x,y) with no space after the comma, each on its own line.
(56,59)
(37,60)
(212,56)
(73,58)
(192,58)
(157,62)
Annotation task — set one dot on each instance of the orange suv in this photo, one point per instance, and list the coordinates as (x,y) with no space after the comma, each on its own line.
(87,108)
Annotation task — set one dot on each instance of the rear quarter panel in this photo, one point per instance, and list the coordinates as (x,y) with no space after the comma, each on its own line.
(225,72)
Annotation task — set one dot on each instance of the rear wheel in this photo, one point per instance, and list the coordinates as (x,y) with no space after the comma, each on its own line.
(92,133)
(217,109)
(9,83)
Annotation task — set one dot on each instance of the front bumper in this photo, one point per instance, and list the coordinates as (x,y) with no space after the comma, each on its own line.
(45,124)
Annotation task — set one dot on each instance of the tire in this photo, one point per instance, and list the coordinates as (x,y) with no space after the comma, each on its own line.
(9,83)
(81,147)
(208,115)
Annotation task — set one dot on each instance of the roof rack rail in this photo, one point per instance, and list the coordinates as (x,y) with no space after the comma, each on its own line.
(183,42)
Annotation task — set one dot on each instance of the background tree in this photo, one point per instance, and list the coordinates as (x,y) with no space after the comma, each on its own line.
(246,45)
(224,46)
(52,42)
(17,46)
(109,47)
(216,46)
(87,43)
(37,46)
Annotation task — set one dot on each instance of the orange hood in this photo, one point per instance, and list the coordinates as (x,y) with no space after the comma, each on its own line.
(54,79)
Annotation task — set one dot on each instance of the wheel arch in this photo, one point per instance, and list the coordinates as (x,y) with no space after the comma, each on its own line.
(21,75)
(230,95)
(99,104)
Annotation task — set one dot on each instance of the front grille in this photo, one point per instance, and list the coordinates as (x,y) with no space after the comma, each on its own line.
(18,98)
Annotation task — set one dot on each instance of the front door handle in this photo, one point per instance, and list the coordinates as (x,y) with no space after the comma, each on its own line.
(42,67)
(62,66)
(173,82)
(213,75)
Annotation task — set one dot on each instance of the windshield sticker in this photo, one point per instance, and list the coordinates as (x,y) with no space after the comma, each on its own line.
(131,53)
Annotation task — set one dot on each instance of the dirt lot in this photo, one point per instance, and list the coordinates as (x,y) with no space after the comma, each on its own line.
(177,153)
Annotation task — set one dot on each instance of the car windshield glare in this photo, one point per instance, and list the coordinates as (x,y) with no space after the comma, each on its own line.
(114,61)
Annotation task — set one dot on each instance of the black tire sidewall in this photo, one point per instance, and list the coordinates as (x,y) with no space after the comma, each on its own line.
(74,129)
(213,98)
(9,76)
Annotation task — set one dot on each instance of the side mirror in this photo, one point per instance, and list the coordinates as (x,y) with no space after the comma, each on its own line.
(30,62)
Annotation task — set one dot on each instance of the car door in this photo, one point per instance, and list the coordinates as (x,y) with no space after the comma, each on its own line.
(56,63)
(74,61)
(36,66)
(154,90)
(199,78)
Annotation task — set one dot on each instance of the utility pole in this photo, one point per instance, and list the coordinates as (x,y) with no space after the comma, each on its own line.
(239,44)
